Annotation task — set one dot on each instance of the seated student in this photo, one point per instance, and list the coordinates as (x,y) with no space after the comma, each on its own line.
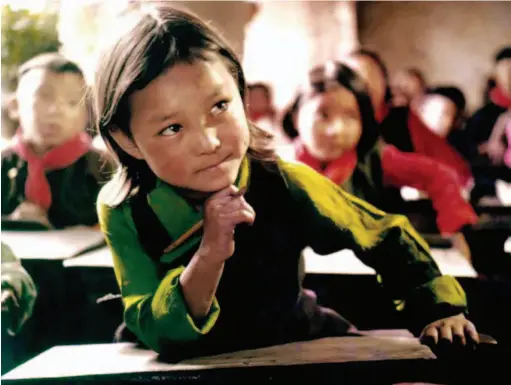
(499,144)
(206,226)
(370,66)
(480,125)
(339,138)
(50,172)
(430,127)
(18,298)
(407,85)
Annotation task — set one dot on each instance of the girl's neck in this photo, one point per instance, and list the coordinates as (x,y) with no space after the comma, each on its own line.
(37,148)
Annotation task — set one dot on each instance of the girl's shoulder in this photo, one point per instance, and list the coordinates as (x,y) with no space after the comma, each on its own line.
(113,208)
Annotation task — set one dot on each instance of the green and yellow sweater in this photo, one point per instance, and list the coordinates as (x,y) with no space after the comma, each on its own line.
(256,300)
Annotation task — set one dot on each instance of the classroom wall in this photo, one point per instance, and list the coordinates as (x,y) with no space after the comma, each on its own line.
(83,24)
(286,38)
(450,41)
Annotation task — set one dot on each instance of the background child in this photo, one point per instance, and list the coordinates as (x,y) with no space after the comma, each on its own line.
(339,138)
(426,127)
(206,226)
(50,172)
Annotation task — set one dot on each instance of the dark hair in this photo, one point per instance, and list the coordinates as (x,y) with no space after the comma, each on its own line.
(288,118)
(376,58)
(504,53)
(53,62)
(452,93)
(319,80)
(158,38)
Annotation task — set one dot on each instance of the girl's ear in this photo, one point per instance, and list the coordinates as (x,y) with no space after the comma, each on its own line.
(12,107)
(127,144)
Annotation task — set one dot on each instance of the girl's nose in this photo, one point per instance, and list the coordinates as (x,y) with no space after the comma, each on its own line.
(208,141)
(333,129)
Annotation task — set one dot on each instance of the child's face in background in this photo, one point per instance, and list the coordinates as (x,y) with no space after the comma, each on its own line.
(189,125)
(372,75)
(406,86)
(503,75)
(258,102)
(329,123)
(50,107)
(438,113)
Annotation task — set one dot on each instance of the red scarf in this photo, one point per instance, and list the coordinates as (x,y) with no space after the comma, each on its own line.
(381,112)
(338,171)
(426,142)
(498,97)
(37,188)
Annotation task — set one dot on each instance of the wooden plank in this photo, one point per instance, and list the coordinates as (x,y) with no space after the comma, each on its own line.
(109,359)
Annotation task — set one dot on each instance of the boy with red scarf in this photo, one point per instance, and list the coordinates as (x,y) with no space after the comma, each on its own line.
(480,125)
(50,173)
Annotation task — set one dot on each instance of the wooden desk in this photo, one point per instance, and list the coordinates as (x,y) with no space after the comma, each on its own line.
(53,244)
(372,359)
(334,359)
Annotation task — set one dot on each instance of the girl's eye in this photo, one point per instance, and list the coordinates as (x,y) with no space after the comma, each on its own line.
(44,95)
(171,130)
(220,107)
(323,115)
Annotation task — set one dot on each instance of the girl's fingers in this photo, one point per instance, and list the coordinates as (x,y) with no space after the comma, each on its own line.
(240,216)
(446,333)
(459,333)
(235,204)
(471,332)
(430,336)
(226,192)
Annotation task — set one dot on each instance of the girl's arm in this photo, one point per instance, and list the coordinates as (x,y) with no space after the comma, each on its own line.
(438,181)
(334,220)
(155,308)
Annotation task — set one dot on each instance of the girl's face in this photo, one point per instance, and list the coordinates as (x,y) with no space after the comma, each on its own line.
(50,107)
(438,113)
(189,125)
(329,123)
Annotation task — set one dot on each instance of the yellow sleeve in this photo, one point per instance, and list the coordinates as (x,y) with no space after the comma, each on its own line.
(335,220)
(154,305)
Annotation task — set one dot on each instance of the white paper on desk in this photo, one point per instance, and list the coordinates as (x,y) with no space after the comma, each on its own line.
(52,244)
(449,261)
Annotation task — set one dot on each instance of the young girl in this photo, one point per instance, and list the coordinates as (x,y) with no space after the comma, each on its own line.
(339,138)
(206,226)
(50,172)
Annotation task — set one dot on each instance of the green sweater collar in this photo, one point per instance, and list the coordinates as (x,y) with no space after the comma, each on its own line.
(181,219)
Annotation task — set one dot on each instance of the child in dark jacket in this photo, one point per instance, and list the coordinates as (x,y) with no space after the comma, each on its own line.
(51,174)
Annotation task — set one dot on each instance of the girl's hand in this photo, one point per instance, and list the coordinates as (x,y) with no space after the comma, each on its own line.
(222,212)
(456,331)
(28,211)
